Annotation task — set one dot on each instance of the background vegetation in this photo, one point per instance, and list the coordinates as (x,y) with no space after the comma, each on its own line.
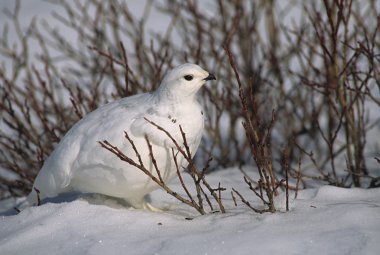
(302,76)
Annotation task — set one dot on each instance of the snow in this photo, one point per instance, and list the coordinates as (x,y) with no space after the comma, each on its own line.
(327,220)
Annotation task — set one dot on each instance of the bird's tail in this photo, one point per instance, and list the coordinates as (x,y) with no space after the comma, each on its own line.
(31,200)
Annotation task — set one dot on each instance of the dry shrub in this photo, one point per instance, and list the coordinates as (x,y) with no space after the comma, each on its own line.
(318,73)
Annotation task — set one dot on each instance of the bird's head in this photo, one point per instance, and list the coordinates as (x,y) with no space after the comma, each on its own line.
(184,81)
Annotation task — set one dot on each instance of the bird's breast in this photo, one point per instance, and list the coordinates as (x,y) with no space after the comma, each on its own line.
(188,117)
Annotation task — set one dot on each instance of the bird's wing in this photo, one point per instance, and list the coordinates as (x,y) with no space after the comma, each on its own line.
(141,127)
(79,147)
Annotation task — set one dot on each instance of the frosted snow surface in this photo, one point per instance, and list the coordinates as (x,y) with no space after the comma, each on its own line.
(327,220)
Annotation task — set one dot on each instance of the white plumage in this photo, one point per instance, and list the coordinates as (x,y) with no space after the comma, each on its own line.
(79,163)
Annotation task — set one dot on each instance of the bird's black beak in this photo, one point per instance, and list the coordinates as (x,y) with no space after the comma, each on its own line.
(210,77)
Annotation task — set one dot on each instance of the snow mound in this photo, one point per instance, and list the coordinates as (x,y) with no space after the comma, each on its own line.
(327,220)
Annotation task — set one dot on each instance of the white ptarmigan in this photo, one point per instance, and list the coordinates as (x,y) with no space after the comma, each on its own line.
(79,163)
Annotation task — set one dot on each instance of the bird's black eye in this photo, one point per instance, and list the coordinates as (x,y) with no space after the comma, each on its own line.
(188,77)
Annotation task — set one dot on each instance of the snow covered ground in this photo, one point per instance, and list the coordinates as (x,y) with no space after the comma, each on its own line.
(327,220)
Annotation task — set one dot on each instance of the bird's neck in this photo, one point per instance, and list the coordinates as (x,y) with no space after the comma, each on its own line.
(165,96)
